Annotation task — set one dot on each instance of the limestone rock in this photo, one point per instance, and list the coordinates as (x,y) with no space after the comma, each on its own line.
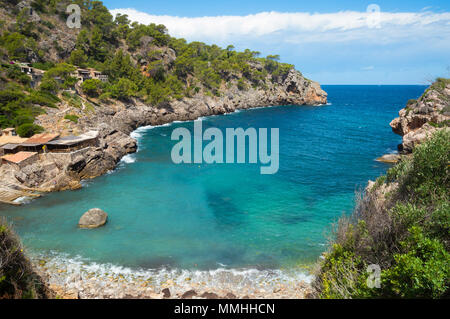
(210,295)
(230,296)
(414,121)
(166,292)
(93,218)
(189,294)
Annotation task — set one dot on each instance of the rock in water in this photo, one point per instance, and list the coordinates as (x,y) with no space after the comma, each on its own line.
(389,158)
(93,218)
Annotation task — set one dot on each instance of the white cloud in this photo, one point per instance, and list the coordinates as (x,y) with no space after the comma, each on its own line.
(302,27)
(368,68)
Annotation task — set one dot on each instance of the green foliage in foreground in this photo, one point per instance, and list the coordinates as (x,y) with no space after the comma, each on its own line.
(17,277)
(408,237)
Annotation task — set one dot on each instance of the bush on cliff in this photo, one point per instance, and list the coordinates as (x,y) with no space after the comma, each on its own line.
(92,87)
(17,107)
(29,129)
(403,226)
(17,277)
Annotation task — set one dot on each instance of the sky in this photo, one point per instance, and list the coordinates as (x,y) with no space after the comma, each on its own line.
(332,42)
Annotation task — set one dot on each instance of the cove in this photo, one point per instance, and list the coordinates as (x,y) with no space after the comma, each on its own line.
(206,216)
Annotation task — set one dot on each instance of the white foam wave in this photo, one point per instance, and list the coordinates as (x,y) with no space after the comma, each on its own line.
(128,159)
(86,182)
(23,200)
(63,269)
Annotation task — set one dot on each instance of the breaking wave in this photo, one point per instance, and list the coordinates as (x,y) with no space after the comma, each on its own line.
(63,269)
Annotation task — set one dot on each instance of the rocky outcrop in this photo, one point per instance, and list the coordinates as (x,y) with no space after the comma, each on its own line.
(422,117)
(93,218)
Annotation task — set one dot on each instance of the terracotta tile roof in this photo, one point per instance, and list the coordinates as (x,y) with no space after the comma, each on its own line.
(18,157)
(7,139)
(41,138)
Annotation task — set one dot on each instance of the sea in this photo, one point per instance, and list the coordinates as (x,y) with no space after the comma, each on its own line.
(198,218)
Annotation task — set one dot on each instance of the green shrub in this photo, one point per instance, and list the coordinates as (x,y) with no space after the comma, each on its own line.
(29,129)
(43,65)
(49,86)
(104,97)
(123,89)
(340,275)
(428,176)
(407,236)
(423,271)
(242,85)
(43,98)
(72,118)
(92,87)
(379,181)
(441,83)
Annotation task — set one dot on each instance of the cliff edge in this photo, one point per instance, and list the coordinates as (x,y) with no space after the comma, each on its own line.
(422,117)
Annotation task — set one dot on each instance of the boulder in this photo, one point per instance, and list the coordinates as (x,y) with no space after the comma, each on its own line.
(189,294)
(230,296)
(166,292)
(210,295)
(93,218)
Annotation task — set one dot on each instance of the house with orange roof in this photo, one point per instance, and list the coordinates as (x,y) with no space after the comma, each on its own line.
(37,142)
(20,159)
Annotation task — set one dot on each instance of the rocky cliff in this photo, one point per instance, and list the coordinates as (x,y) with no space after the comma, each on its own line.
(422,117)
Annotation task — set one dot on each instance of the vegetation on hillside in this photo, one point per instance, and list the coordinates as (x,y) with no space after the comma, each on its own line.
(402,224)
(17,277)
(142,61)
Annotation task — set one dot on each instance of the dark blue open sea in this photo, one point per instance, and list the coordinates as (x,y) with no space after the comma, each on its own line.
(204,217)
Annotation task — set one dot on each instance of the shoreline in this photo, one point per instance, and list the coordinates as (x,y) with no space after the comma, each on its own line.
(78,278)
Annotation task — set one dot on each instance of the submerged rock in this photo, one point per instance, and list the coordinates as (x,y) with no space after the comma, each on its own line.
(93,218)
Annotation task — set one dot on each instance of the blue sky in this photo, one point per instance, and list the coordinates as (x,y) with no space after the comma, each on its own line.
(333,42)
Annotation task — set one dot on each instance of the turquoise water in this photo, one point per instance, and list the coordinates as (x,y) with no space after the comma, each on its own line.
(193,216)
